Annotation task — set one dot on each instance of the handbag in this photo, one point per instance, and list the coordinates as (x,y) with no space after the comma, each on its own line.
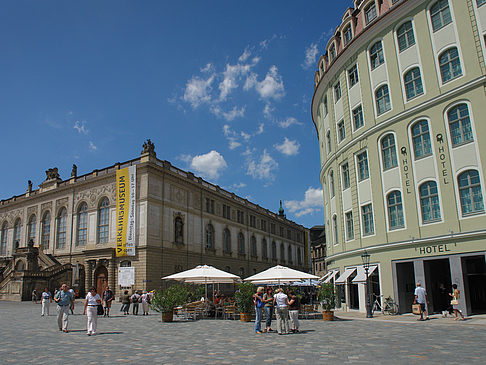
(100,310)
(454,302)
(416,309)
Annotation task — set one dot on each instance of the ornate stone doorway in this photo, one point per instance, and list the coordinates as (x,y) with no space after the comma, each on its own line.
(101,279)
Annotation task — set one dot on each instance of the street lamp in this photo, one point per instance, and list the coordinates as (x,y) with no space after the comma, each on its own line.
(365,257)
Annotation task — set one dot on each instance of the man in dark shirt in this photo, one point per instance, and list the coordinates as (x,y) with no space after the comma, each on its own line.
(108,297)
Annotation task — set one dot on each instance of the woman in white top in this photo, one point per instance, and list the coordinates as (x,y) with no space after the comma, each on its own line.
(145,303)
(91,309)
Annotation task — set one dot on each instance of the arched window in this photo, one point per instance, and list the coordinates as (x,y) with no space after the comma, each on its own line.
(61,228)
(82,229)
(332,52)
(241,243)
(125,263)
(388,152)
(264,248)
(395,210)
(450,65)
(46,230)
(331,184)
(282,252)
(226,240)
(3,239)
(413,83)
(405,36)
(299,256)
(253,246)
(440,14)
(382,98)
(103,220)
(274,250)
(178,230)
(460,125)
(289,254)
(376,55)
(16,235)
(209,236)
(335,229)
(421,139)
(31,228)
(429,202)
(470,192)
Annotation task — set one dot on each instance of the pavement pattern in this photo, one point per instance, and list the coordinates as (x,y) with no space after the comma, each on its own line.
(26,337)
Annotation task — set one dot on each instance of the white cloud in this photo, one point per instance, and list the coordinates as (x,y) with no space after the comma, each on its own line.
(233,144)
(208,68)
(209,165)
(260,128)
(288,122)
(271,87)
(264,168)
(80,126)
(245,136)
(92,147)
(288,147)
(313,202)
(198,91)
(228,116)
(238,186)
(268,110)
(245,55)
(311,53)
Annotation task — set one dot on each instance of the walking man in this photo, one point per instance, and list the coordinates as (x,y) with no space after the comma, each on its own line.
(34,296)
(108,297)
(63,298)
(135,298)
(421,298)
(46,300)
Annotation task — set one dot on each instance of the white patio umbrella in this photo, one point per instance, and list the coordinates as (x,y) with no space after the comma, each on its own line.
(279,274)
(204,274)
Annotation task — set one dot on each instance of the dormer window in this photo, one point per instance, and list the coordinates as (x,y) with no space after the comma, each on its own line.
(370,13)
(332,52)
(347,34)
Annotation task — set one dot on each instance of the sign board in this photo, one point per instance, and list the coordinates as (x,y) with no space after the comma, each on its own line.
(126,276)
(126,191)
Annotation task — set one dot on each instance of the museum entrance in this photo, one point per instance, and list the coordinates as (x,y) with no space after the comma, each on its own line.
(101,279)
(438,283)
(474,270)
(405,286)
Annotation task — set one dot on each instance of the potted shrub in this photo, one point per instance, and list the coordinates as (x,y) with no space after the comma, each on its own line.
(244,300)
(327,297)
(165,301)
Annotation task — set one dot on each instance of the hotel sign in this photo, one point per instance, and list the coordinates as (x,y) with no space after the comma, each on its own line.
(435,249)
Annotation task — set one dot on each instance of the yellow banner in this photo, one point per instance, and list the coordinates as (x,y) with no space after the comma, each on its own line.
(122,206)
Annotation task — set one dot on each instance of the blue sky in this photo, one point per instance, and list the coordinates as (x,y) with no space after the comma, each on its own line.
(223,89)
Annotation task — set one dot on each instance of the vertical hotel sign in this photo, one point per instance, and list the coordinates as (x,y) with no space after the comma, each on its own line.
(126,189)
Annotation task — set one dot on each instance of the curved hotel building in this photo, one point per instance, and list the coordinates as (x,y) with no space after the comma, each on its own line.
(399,107)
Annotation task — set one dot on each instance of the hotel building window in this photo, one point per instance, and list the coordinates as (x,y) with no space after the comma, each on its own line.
(370,13)
(450,65)
(395,210)
(349,226)
(347,34)
(440,14)
(376,55)
(337,92)
(345,175)
(470,193)
(367,220)
(382,97)
(341,131)
(413,83)
(429,202)
(331,184)
(405,36)
(358,119)
(335,229)
(363,171)
(353,76)
(460,125)
(388,152)
(421,139)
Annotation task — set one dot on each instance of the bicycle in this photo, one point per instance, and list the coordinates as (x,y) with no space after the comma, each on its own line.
(389,305)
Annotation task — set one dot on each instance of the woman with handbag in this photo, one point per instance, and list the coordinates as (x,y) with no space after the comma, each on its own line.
(455,302)
(93,300)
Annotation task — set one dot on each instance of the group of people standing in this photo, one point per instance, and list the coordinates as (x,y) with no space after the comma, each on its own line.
(135,299)
(448,299)
(285,306)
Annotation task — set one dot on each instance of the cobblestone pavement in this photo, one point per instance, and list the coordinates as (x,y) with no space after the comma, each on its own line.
(27,337)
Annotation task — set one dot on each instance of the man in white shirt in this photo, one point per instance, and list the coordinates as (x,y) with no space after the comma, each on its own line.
(421,298)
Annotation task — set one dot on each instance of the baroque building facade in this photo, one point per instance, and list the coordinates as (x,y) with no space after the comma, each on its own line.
(66,230)
(398,107)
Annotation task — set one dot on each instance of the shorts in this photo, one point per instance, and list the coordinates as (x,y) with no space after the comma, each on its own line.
(107,304)
(422,307)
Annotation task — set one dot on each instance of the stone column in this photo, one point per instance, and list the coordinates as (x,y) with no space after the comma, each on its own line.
(90,265)
(111,266)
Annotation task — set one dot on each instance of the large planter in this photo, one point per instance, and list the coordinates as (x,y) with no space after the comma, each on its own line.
(328,315)
(245,317)
(168,316)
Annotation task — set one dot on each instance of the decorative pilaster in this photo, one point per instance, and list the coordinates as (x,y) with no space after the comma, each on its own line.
(90,265)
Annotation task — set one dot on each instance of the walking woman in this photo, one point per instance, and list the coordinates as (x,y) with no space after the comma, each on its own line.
(294,305)
(258,309)
(268,300)
(91,310)
(125,299)
(455,302)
